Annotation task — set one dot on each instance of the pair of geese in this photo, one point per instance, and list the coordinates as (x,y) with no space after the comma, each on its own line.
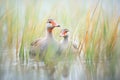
(40,46)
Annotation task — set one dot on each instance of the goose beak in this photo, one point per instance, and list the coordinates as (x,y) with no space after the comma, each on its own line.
(58,26)
(55,24)
(61,34)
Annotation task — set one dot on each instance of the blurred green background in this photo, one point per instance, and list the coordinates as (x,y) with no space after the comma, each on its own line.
(95,24)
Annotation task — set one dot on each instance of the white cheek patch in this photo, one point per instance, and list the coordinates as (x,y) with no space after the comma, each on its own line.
(49,25)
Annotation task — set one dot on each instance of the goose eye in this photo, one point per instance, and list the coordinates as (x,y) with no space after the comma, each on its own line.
(49,22)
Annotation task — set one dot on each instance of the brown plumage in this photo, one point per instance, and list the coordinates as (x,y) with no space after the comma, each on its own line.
(34,43)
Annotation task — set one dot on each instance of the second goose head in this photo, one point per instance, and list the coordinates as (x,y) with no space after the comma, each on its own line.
(64,33)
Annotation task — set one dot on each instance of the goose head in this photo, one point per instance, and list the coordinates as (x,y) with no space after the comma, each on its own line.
(51,24)
(64,33)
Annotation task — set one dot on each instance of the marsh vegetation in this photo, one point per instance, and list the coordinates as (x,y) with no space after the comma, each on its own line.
(94,26)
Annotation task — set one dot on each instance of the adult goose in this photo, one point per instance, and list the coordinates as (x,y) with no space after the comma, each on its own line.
(40,46)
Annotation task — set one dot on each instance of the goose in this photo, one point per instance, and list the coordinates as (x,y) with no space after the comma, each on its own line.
(64,42)
(40,45)
(63,46)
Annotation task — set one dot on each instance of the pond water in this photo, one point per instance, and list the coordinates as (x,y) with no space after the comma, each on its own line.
(11,68)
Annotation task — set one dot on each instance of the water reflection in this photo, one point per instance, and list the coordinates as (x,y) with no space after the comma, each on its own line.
(13,69)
